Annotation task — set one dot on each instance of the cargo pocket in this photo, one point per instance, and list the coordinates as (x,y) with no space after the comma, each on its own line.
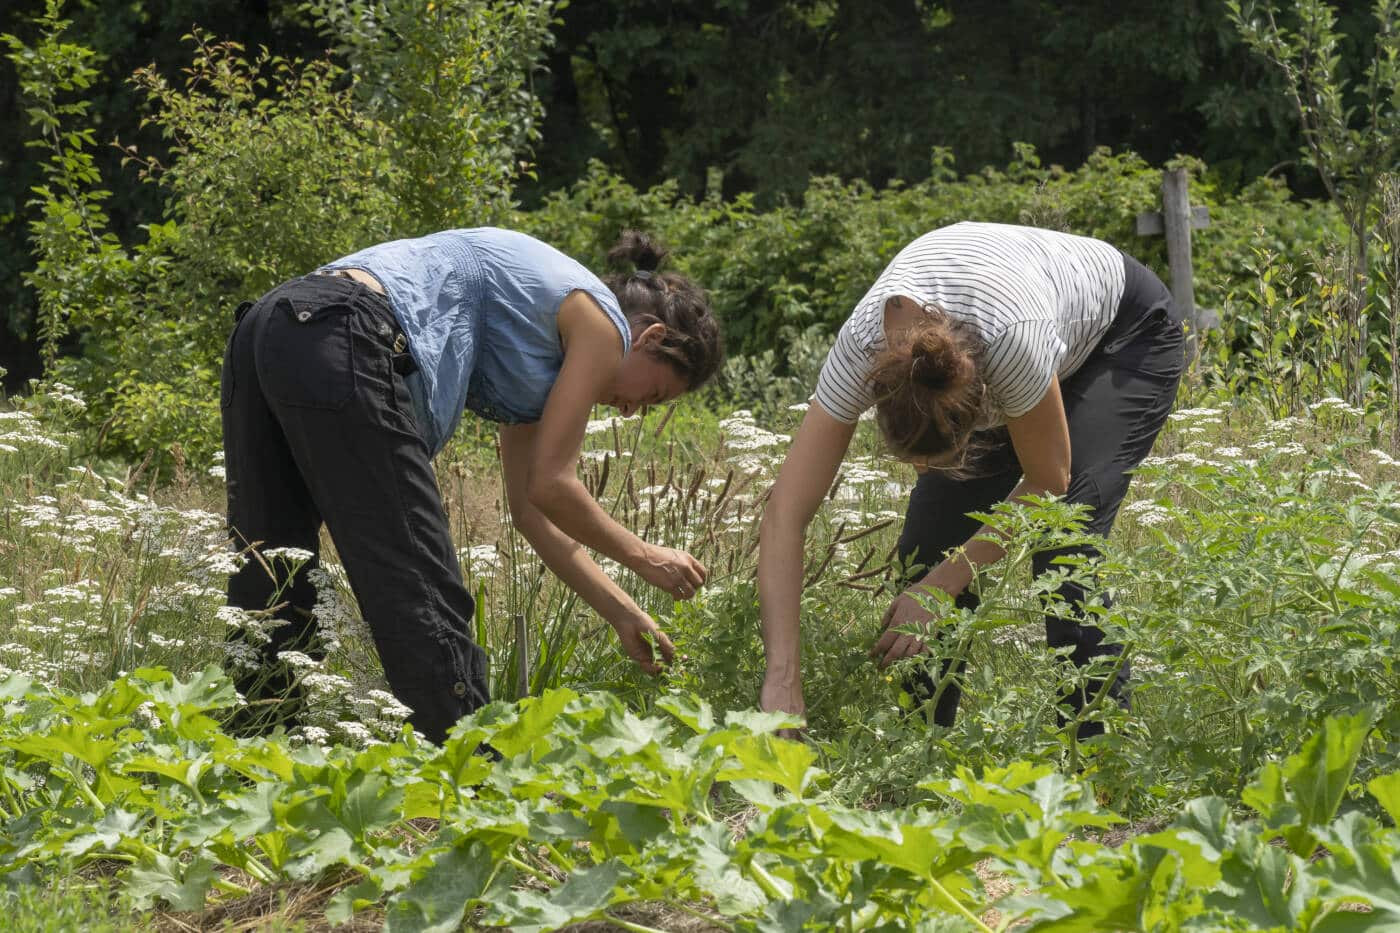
(465,673)
(305,356)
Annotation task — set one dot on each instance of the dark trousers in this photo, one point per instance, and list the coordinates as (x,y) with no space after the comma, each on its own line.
(319,426)
(1116,403)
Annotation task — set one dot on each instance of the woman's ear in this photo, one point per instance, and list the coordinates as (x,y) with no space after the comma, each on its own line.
(648,336)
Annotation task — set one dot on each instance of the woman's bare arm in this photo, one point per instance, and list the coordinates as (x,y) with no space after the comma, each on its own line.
(802,483)
(569,561)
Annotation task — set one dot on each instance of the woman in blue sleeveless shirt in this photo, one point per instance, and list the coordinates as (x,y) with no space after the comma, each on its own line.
(338,389)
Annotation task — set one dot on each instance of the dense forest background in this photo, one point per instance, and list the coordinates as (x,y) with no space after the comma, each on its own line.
(736,96)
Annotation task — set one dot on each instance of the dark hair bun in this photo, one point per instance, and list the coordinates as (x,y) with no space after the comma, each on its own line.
(638,250)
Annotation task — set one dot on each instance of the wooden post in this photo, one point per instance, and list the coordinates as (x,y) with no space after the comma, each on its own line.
(522,657)
(1175,221)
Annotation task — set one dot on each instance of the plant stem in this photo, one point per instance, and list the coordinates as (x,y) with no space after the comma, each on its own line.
(959,906)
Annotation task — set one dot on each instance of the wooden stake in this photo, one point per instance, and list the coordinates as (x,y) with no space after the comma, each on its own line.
(522,657)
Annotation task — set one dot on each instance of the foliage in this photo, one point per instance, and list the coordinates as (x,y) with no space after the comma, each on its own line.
(1254,574)
(767,93)
(774,274)
(81,264)
(585,809)
(1351,134)
(453,85)
(275,167)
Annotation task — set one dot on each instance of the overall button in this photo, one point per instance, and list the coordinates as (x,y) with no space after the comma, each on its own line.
(303,316)
(459,689)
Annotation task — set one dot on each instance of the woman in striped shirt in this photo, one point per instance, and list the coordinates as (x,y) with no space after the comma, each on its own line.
(1002,362)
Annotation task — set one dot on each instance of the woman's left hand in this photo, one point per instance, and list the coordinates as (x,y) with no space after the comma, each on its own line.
(637,631)
(907,612)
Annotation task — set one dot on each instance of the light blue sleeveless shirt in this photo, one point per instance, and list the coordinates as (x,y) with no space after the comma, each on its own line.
(480,309)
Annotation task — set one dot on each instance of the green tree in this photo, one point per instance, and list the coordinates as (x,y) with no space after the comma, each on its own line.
(774,91)
(1350,128)
(272,167)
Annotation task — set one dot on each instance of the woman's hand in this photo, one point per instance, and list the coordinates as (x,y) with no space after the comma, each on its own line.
(671,570)
(784,695)
(907,612)
(637,630)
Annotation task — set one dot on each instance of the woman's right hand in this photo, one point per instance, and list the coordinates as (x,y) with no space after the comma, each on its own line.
(782,695)
(671,570)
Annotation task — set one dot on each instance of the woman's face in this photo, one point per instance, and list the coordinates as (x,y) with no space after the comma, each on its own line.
(643,378)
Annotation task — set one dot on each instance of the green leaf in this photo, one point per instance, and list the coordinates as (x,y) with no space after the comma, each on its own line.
(689,709)
(437,899)
(342,907)
(535,723)
(768,758)
(584,896)
(1106,898)
(1318,775)
(116,826)
(160,877)
(1386,790)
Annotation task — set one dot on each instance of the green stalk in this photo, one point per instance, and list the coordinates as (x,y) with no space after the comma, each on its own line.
(530,870)
(229,887)
(565,862)
(699,916)
(959,906)
(765,881)
(628,925)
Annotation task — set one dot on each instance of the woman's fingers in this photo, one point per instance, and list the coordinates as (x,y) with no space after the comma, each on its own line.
(894,644)
(688,575)
(883,643)
(905,646)
(895,605)
(668,650)
(693,572)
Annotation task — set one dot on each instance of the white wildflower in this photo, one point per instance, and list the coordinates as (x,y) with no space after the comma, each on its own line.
(241,656)
(606,424)
(1196,414)
(1147,512)
(1382,458)
(295,555)
(480,555)
(389,705)
(332,685)
(741,433)
(314,735)
(597,456)
(298,660)
(1332,403)
(356,732)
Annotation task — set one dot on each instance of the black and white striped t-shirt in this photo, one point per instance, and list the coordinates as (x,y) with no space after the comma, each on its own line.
(1038,299)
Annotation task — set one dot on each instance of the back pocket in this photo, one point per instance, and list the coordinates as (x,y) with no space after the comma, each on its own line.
(304,356)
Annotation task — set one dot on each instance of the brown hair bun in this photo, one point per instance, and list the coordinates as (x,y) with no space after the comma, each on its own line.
(928,388)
